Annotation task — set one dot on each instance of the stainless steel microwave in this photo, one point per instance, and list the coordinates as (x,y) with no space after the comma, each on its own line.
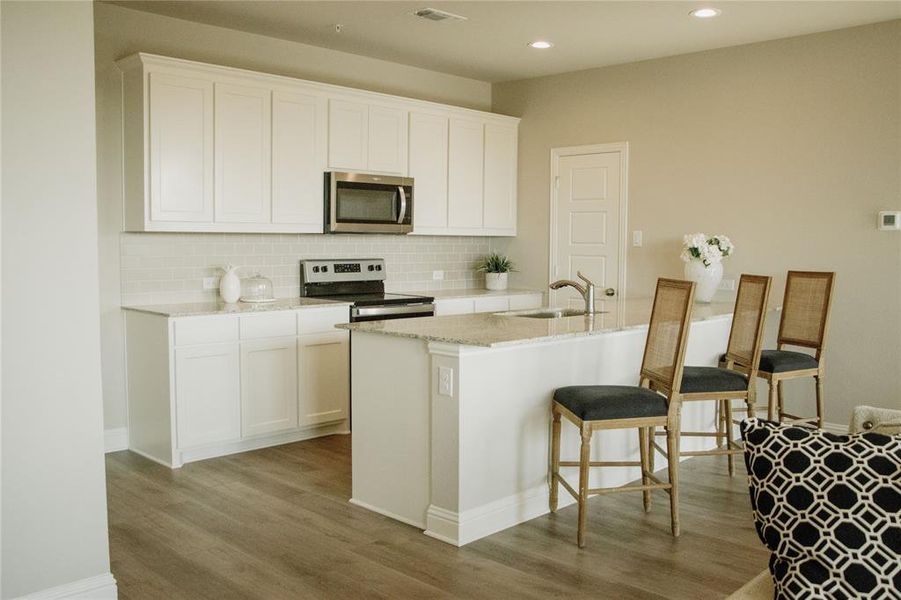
(362,203)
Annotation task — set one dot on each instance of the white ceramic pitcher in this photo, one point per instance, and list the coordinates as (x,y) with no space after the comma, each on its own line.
(230,284)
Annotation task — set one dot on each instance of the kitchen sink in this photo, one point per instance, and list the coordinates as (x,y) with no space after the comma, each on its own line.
(546,313)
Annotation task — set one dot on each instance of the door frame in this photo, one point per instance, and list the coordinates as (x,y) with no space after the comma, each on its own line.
(556,154)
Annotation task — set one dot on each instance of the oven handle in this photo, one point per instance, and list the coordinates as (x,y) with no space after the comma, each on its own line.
(378,311)
(403,204)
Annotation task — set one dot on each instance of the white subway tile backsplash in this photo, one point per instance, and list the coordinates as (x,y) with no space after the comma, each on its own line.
(159,268)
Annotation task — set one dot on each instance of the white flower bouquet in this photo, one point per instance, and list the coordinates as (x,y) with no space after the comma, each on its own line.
(707,249)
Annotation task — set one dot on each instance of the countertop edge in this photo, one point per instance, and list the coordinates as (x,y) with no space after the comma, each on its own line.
(241,309)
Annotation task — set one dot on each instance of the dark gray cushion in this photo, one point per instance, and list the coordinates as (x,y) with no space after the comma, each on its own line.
(712,379)
(602,402)
(780,361)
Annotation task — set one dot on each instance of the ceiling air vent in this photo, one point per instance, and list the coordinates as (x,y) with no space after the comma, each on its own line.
(433,14)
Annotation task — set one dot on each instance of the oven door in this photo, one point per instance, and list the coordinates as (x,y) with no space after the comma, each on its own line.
(359,203)
(395,311)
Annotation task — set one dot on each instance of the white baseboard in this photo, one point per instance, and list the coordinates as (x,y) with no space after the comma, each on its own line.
(99,587)
(115,439)
(387,513)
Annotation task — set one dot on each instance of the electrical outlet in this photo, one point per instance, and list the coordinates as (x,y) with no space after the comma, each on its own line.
(636,238)
(445,381)
(727,284)
(437,275)
(210,283)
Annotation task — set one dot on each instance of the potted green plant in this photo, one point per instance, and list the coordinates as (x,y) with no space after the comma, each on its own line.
(495,266)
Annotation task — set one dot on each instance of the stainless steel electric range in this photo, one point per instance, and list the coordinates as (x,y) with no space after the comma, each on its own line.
(362,283)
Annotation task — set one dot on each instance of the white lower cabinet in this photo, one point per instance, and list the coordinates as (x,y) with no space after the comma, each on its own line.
(323,366)
(207,386)
(483,304)
(208,394)
(268,386)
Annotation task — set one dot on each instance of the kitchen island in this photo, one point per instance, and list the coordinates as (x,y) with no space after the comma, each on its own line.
(451,415)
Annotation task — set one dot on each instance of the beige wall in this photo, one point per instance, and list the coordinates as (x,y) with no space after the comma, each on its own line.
(53,490)
(120,32)
(790,147)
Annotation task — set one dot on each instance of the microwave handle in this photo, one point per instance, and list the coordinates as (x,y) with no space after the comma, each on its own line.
(403,203)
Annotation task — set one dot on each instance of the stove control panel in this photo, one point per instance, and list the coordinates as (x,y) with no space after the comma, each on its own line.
(341,270)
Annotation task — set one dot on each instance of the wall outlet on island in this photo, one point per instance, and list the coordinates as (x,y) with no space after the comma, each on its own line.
(437,275)
(728,285)
(445,381)
(211,283)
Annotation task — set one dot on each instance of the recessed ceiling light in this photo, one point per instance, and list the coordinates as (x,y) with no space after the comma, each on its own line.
(705,13)
(541,44)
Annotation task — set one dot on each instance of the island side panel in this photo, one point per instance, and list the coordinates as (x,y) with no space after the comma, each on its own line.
(503,400)
(150,429)
(390,411)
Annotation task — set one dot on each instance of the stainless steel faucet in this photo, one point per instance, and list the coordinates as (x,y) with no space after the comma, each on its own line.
(586,290)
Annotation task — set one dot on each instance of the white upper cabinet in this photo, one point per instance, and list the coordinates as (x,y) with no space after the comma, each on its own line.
(299,125)
(499,215)
(348,142)
(364,137)
(181,148)
(465,169)
(242,161)
(216,149)
(428,168)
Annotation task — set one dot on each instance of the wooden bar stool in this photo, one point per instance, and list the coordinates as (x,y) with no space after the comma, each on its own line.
(735,379)
(805,315)
(593,407)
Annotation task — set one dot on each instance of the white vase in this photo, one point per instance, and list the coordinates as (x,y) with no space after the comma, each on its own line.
(496,281)
(230,285)
(707,279)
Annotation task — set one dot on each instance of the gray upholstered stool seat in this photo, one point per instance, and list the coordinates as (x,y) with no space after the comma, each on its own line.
(604,402)
(712,379)
(782,361)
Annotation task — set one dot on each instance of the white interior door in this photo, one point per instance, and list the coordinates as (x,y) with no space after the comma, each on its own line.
(586,236)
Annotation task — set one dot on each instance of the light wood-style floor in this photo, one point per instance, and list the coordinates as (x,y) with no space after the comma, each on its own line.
(276,523)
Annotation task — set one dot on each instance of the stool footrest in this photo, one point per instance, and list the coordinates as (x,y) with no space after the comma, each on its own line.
(602,463)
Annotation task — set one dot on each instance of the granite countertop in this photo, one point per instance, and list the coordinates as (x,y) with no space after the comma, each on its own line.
(498,329)
(195,309)
(475,293)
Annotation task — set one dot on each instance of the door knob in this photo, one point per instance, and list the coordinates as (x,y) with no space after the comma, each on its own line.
(609,292)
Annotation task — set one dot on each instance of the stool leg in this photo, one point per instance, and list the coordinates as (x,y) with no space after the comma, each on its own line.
(584,459)
(672,450)
(751,400)
(555,459)
(727,409)
(652,433)
(643,449)
(771,407)
(821,406)
(720,419)
(781,398)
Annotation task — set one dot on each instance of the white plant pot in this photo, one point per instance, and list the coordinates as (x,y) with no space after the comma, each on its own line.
(230,285)
(707,279)
(496,281)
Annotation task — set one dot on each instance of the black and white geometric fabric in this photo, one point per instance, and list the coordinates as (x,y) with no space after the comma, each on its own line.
(828,507)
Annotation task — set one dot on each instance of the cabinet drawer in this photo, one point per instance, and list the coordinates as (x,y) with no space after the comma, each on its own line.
(270,325)
(456,306)
(525,301)
(205,330)
(321,320)
(491,304)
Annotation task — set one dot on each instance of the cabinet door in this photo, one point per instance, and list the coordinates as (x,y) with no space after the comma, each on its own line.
(387,140)
(181,148)
(323,367)
(465,164)
(243,160)
(298,159)
(500,178)
(348,135)
(207,394)
(268,386)
(454,306)
(428,168)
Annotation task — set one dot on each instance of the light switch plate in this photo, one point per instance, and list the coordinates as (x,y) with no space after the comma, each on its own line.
(727,284)
(445,381)
(210,283)
(437,275)
(636,238)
